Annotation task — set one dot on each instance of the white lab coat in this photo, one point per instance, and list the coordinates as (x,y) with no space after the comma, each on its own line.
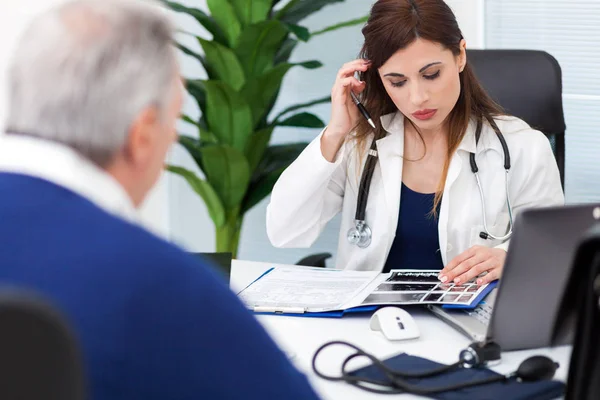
(312,191)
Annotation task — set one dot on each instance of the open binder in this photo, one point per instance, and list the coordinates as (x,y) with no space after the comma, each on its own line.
(325,292)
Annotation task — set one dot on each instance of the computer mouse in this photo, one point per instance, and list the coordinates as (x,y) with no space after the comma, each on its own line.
(395,324)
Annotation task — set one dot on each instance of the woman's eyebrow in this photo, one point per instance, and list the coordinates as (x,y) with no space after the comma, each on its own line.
(398,75)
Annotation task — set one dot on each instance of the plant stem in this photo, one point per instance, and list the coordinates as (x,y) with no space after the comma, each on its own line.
(228,236)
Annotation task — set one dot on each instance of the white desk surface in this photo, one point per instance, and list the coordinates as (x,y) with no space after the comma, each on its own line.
(301,337)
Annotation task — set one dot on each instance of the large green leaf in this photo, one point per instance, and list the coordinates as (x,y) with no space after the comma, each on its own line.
(206,137)
(188,119)
(206,192)
(275,160)
(303,105)
(258,45)
(261,189)
(199,57)
(274,3)
(222,11)
(228,115)
(256,147)
(285,51)
(197,90)
(261,93)
(303,120)
(251,11)
(300,32)
(228,172)
(193,147)
(352,22)
(224,63)
(205,20)
(297,10)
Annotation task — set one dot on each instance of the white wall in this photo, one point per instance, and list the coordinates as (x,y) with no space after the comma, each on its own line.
(189,222)
(14,17)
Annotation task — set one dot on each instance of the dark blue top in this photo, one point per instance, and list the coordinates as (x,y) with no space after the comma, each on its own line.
(417,243)
(153,321)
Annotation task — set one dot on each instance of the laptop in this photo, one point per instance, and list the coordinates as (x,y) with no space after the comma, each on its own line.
(520,313)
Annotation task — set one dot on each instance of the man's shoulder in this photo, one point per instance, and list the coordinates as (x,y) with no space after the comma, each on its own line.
(125,240)
(113,239)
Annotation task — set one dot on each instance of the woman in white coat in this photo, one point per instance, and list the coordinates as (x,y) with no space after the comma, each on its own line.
(424,207)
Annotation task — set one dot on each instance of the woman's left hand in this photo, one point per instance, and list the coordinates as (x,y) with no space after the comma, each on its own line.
(474,262)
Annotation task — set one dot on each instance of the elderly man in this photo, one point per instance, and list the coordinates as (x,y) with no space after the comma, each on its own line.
(94,95)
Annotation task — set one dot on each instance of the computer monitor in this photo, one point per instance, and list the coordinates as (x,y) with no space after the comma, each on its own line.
(536,272)
(522,312)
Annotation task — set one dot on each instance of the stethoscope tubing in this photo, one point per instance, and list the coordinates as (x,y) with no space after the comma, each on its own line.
(361,234)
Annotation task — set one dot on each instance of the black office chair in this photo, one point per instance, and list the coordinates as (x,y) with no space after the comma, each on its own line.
(528,85)
(221,262)
(39,357)
(315,260)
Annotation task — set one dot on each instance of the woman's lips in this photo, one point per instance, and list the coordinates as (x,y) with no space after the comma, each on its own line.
(424,115)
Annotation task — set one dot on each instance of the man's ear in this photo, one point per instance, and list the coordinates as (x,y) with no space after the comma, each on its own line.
(462,58)
(140,141)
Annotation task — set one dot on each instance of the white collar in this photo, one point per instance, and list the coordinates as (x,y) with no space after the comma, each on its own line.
(64,167)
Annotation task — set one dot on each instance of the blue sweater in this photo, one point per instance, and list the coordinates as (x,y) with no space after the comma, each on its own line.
(153,322)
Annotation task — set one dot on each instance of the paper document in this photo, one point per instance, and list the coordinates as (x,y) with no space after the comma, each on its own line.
(293,289)
(298,290)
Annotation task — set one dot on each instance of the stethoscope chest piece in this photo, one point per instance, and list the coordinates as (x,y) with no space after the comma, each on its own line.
(360,235)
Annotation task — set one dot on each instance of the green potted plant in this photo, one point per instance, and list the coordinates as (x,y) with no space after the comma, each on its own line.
(245,62)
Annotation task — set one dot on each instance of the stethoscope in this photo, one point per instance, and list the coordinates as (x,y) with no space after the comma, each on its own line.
(361,233)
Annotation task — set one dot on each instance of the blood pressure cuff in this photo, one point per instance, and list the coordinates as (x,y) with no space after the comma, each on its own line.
(510,389)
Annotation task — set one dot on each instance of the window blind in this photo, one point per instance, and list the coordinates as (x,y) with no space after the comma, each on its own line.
(570,31)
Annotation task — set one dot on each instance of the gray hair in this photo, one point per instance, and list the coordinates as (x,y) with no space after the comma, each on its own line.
(83,72)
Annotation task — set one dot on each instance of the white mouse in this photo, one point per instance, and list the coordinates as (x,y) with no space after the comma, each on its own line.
(395,324)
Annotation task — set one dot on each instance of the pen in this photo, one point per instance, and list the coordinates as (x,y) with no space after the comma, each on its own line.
(362,109)
(279,310)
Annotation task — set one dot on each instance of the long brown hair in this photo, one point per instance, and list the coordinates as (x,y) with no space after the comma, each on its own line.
(395,24)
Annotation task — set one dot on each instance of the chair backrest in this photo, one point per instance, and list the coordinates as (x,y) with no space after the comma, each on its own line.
(528,85)
(39,358)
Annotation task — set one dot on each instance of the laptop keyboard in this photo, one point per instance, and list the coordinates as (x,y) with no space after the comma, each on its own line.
(483,312)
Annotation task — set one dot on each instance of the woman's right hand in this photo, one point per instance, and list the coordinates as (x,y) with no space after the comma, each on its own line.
(344,113)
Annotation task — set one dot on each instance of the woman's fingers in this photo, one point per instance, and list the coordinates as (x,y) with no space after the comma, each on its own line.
(340,90)
(478,269)
(349,69)
(491,276)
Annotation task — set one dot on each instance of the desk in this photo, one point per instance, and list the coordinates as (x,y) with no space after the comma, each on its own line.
(301,337)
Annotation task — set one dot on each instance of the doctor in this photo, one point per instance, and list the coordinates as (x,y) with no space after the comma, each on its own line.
(426,208)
